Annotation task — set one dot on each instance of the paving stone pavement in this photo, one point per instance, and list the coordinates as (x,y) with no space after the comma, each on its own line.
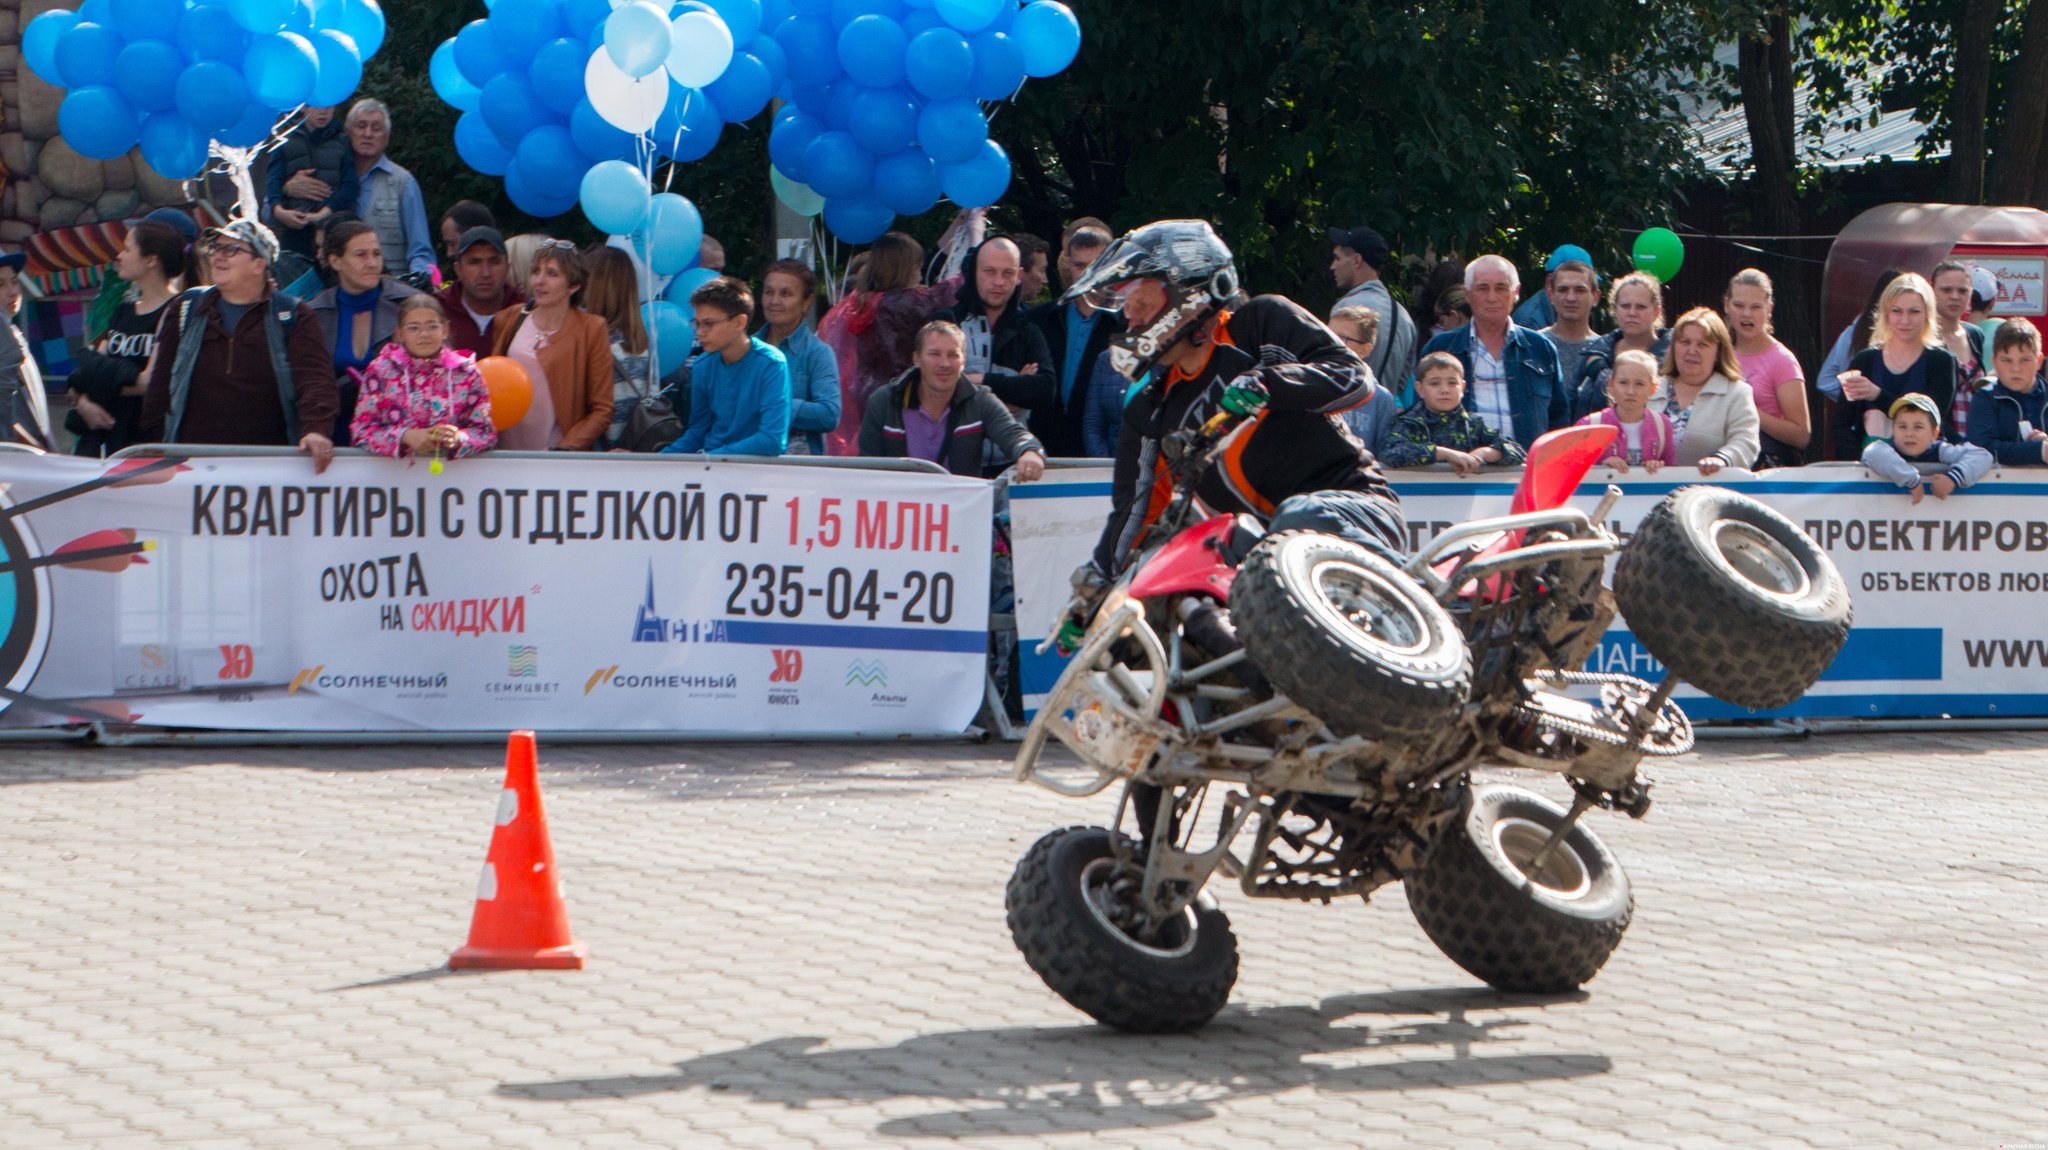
(1838,942)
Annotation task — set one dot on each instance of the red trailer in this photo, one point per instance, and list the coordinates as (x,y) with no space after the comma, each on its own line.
(2012,243)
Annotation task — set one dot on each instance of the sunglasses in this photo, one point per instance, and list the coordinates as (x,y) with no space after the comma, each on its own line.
(224,250)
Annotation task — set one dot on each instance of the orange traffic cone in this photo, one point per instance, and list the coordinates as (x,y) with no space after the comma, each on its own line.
(520,922)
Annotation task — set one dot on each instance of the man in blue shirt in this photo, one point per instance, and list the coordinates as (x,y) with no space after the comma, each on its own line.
(1076,333)
(1511,372)
(739,387)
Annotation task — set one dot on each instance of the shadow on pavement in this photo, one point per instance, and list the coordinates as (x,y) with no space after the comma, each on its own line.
(1023,1081)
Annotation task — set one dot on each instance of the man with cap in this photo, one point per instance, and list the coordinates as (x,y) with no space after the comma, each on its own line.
(481,290)
(1538,311)
(24,409)
(239,362)
(1358,256)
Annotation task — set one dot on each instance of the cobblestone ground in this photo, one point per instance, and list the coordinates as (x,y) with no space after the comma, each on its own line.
(1838,942)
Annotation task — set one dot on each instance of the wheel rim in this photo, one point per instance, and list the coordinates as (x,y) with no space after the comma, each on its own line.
(1760,559)
(1563,874)
(1178,931)
(1370,604)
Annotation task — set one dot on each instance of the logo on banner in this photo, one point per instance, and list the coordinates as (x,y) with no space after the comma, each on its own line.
(789,666)
(861,673)
(237,661)
(522,662)
(650,626)
(599,677)
(303,678)
(693,684)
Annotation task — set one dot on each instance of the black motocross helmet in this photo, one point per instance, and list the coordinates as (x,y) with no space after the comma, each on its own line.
(1193,263)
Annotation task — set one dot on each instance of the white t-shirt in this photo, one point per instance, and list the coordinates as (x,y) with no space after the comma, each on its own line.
(1632,438)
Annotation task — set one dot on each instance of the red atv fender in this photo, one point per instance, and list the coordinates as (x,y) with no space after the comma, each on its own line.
(1193,561)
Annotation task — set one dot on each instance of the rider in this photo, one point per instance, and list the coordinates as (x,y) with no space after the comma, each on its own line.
(1202,348)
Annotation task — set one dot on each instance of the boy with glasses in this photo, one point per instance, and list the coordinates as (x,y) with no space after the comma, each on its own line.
(739,386)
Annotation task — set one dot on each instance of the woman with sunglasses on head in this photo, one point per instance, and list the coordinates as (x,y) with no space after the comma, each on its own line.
(566,352)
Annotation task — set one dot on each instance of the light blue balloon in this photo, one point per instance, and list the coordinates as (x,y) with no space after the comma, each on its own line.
(172,147)
(557,74)
(969,15)
(615,197)
(212,34)
(979,182)
(674,231)
(449,83)
(479,146)
(743,91)
(39,43)
(341,68)
(251,128)
(281,70)
(839,167)
(951,131)
(871,50)
(670,325)
(97,122)
(363,22)
(789,142)
(637,37)
(799,198)
(685,284)
(596,137)
(521,26)
(85,55)
(998,67)
(884,120)
(477,54)
(858,220)
(262,17)
(146,74)
(939,63)
(211,95)
(908,182)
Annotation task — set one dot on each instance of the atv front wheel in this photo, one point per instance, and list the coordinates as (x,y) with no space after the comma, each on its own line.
(1070,916)
(1519,925)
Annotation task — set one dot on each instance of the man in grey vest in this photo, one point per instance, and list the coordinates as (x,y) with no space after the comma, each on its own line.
(1357,255)
(239,362)
(391,200)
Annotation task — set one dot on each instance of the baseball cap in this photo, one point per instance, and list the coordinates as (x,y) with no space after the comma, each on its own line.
(1916,399)
(15,260)
(175,218)
(1369,244)
(1983,284)
(481,234)
(255,236)
(1567,253)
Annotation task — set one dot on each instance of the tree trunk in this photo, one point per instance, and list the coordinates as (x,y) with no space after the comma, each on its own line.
(2017,175)
(1764,68)
(1967,104)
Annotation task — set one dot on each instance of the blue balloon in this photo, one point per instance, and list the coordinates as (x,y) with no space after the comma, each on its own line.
(596,137)
(819,8)
(615,197)
(908,182)
(969,15)
(262,17)
(810,93)
(97,122)
(685,284)
(251,128)
(552,164)
(521,27)
(837,101)
(673,333)
(449,83)
(810,47)
(146,19)
(980,181)
(511,108)
(146,73)
(39,43)
(689,127)
(301,18)
(790,141)
(742,18)
(674,231)
(557,74)
(922,20)
(885,120)
(581,18)
(743,91)
(998,67)
(172,147)
(281,70)
(85,55)
(477,53)
(845,12)
(531,200)
(211,95)
(951,131)
(479,146)
(858,220)
(637,36)
(939,63)
(341,68)
(1049,35)
(212,34)
(871,50)
(363,22)
(766,50)
(838,167)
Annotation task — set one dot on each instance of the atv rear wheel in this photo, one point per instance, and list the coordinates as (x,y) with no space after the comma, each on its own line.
(1070,919)
(1348,636)
(1520,926)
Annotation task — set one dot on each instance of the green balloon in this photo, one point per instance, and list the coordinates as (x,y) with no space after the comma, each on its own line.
(1659,252)
(798,198)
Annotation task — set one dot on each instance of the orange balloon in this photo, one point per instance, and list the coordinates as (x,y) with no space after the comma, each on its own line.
(510,387)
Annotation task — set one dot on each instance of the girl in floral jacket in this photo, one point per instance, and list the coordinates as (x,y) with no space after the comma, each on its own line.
(419,396)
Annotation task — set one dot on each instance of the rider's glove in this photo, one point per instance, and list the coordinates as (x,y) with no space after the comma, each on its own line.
(1090,585)
(1067,639)
(1245,395)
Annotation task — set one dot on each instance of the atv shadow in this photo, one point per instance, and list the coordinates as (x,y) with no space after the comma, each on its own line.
(1025,1081)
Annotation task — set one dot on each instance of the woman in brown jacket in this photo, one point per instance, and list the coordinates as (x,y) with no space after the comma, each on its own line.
(565,350)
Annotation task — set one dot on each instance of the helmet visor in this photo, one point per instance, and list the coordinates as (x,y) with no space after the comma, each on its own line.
(1119,263)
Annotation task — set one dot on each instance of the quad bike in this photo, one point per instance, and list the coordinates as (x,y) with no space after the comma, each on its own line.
(1327,707)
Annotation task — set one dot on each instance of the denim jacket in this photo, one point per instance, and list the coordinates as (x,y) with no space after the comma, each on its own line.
(1536,396)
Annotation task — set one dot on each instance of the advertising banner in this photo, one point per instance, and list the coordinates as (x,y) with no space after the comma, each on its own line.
(561,593)
(1951,597)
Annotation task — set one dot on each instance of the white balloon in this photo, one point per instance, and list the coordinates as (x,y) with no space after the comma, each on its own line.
(702,48)
(627,104)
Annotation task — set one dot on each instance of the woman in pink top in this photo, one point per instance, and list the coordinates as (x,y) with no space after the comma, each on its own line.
(1770,369)
(421,397)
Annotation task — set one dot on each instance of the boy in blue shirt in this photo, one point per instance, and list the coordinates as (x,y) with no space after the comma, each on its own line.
(2009,418)
(739,387)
